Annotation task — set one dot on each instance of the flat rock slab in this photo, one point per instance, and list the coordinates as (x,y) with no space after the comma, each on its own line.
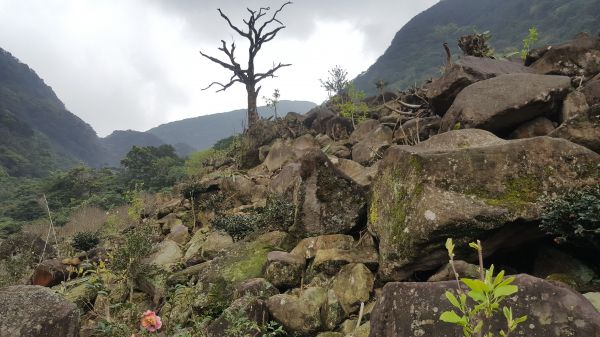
(553,310)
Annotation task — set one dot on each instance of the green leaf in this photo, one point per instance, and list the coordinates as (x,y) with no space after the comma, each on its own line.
(520,319)
(453,300)
(505,290)
(474,246)
(450,247)
(477,296)
(499,278)
(451,317)
(507,313)
(475,285)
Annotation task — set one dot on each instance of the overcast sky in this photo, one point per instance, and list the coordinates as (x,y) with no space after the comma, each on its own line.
(134,64)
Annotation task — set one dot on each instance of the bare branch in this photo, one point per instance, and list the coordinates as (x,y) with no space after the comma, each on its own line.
(216,60)
(270,73)
(274,18)
(239,31)
(223,86)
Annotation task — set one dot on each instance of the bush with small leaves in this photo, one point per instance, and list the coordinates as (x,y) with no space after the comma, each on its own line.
(573,217)
(84,241)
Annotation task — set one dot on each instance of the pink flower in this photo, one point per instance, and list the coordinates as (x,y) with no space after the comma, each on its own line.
(150,321)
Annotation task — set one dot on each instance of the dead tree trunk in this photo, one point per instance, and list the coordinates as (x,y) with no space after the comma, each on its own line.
(257,34)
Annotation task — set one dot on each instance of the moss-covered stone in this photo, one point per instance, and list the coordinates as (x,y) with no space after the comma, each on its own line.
(439,189)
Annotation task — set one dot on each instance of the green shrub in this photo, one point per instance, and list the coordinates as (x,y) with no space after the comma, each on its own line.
(84,241)
(351,104)
(574,217)
(278,214)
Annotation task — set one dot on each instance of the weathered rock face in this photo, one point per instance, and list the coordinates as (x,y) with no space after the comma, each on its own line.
(325,121)
(329,202)
(299,313)
(353,285)
(502,103)
(254,310)
(485,190)
(371,146)
(206,245)
(464,72)
(34,311)
(359,174)
(284,270)
(283,152)
(166,254)
(309,247)
(583,129)
(540,126)
(413,309)
(579,57)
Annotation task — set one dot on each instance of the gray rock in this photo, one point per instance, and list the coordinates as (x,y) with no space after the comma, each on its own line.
(503,103)
(423,195)
(464,72)
(541,126)
(34,311)
(284,270)
(578,57)
(413,309)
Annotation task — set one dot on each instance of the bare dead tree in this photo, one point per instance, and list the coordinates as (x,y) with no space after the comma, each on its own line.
(258,32)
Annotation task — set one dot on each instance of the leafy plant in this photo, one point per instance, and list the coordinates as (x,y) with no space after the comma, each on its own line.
(528,42)
(573,217)
(128,258)
(337,81)
(85,241)
(273,101)
(241,326)
(350,104)
(478,305)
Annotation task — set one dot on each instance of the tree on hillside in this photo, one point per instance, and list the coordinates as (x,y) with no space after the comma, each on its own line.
(258,32)
(152,168)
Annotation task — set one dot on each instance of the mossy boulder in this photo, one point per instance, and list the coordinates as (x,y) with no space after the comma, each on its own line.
(353,285)
(326,200)
(482,188)
(299,314)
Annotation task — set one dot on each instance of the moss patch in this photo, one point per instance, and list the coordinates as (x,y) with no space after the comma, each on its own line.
(518,193)
(249,266)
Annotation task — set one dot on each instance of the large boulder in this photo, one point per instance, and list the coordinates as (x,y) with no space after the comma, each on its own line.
(206,245)
(579,57)
(553,310)
(309,247)
(167,254)
(352,286)
(359,174)
(502,103)
(284,151)
(471,187)
(540,126)
(34,311)
(464,72)
(328,202)
(299,313)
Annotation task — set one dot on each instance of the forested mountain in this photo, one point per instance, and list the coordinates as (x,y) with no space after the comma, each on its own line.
(416,52)
(203,131)
(37,133)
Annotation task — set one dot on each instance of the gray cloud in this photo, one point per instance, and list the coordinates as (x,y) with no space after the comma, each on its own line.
(135,64)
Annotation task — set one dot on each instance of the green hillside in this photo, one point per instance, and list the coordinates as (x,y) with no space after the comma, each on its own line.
(416,52)
(37,133)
